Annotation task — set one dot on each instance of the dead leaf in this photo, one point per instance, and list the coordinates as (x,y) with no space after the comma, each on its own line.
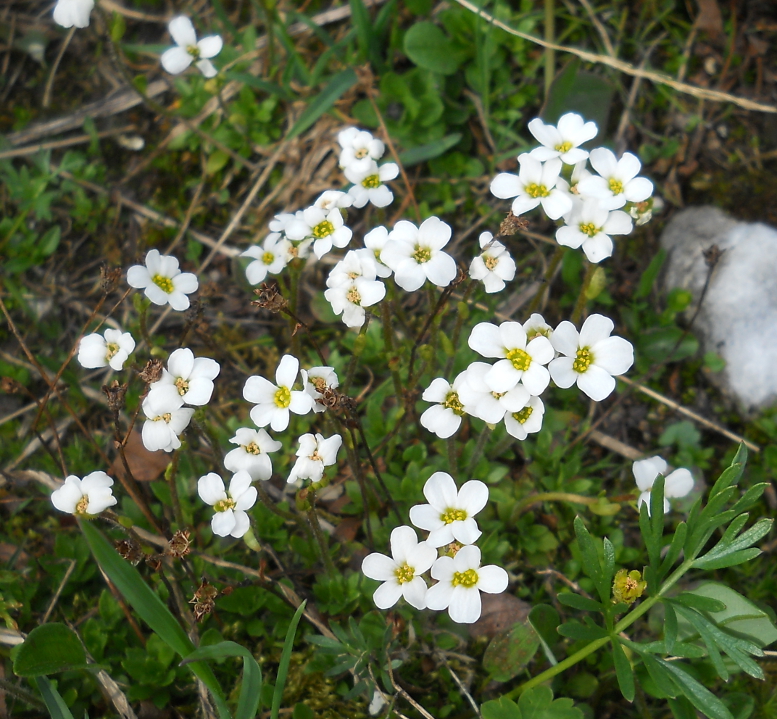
(499,613)
(347,529)
(145,466)
(709,18)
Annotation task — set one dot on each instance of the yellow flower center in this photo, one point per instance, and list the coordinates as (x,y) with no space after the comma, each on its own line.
(353,296)
(521,359)
(535,190)
(182,385)
(583,360)
(82,506)
(361,152)
(293,251)
(194,51)
(466,579)
(163,283)
(112,349)
(490,262)
(589,229)
(453,402)
(323,229)
(453,515)
(224,504)
(252,448)
(405,574)
(316,457)
(564,147)
(421,254)
(166,417)
(283,397)
(616,186)
(522,415)
(268,258)
(371,182)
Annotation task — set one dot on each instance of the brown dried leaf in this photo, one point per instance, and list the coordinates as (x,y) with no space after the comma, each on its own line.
(145,466)
(709,18)
(499,613)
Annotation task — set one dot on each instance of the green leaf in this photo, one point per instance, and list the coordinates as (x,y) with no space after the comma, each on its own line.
(750,497)
(283,666)
(584,604)
(503,708)
(591,564)
(702,603)
(510,651)
(257,83)
(365,33)
(54,702)
(341,82)
(251,687)
(576,90)
(648,278)
(430,48)
(422,153)
(538,703)
(660,677)
(733,548)
(48,649)
(670,627)
(545,620)
(703,699)
(740,616)
(675,548)
(732,474)
(576,630)
(149,607)
(623,671)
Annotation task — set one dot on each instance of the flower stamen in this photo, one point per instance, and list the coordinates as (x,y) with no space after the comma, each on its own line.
(583,360)
(466,579)
(522,415)
(520,359)
(405,574)
(225,504)
(371,182)
(453,403)
(323,229)
(616,186)
(535,190)
(451,515)
(282,397)
(163,283)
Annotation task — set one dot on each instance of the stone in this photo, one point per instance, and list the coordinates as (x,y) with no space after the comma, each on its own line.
(738,316)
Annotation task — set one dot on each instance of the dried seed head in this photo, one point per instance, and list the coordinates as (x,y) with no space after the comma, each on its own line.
(512,225)
(268,297)
(179,546)
(116,393)
(10,386)
(152,371)
(109,278)
(130,550)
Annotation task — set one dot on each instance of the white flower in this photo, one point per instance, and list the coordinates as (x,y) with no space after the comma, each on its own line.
(85,497)
(562,141)
(326,227)
(231,506)
(534,184)
(252,454)
(280,222)
(493,266)
(314,454)
(316,381)
(646,471)
(482,402)
(591,358)
(333,198)
(176,59)
(579,172)
(166,419)
(460,581)
(274,402)
(618,183)
(444,419)
(68,13)
(112,348)
(352,287)
(521,361)
(450,513)
(162,281)
(536,326)
(590,225)
(368,183)
(401,573)
(269,258)
(525,421)
(376,240)
(359,147)
(188,376)
(415,254)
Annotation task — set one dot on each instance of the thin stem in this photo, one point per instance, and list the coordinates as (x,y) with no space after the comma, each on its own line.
(266,500)
(388,341)
(526,502)
(356,468)
(320,538)
(556,257)
(453,457)
(479,447)
(143,325)
(550,53)
(582,298)
(461,317)
(358,348)
(170,475)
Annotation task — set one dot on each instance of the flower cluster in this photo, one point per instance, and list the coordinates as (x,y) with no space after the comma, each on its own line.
(593,206)
(528,356)
(112,348)
(449,517)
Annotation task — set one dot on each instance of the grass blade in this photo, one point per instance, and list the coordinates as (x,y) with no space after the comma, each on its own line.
(323,101)
(54,702)
(283,667)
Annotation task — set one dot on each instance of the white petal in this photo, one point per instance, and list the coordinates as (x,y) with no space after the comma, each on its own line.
(286,374)
(379,566)
(223,523)
(440,491)
(678,484)
(562,373)
(242,523)
(210,46)
(438,596)
(175,60)
(473,496)
(387,594)
(424,516)
(211,488)
(614,354)
(414,593)
(465,606)
(182,31)
(492,579)
(646,470)
(596,383)
(595,329)
(403,542)
(506,185)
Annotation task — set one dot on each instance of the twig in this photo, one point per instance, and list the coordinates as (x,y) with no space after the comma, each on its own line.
(66,142)
(625,67)
(460,684)
(57,594)
(50,82)
(405,695)
(599,28)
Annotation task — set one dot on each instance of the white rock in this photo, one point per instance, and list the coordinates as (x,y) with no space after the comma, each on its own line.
(738,316)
